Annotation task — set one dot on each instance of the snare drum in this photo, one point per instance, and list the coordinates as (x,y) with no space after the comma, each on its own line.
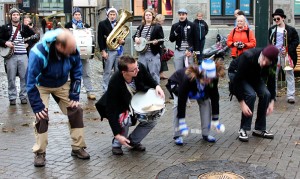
(147,106)
(84,41)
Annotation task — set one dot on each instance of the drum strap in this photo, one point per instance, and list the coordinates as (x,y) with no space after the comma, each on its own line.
(131,91)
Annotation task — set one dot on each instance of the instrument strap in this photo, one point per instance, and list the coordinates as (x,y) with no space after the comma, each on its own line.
(16,32)
(131,91)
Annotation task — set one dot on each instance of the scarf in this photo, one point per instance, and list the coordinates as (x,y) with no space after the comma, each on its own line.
(79,24)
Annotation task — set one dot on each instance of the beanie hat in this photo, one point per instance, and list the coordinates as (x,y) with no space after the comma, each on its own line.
(271,52)
(182,10)
(279,12)
(209,68)
(76,9)
(13,10)
(111,9)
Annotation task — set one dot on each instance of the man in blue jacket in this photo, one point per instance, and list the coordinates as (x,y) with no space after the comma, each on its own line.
(51,62)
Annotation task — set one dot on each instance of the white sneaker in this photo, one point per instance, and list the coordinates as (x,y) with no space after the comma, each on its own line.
(243,135)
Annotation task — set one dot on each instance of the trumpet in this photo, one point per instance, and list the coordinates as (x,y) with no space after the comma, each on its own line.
(288,63)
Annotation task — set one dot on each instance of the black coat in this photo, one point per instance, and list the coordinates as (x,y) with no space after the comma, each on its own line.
(191,36)
(203,28)
(292,40)
(156,33)
(104,29)
(6,32)
(117,98)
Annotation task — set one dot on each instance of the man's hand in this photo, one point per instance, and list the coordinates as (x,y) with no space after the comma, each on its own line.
(42,115)
(104,54)
(245,109)
(270,107)
(121,41)
(123,140)
(74,104)
(9,44)
(188,53)
(159,92)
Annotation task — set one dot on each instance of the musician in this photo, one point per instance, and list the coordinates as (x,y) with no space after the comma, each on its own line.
(184,34)
(9,34)
(286,39)
(152,32)
(52,62)
(77,23)
(110,56)
(194,82)
(131,78)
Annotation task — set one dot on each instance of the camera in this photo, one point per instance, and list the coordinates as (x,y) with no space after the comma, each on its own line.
(240,45)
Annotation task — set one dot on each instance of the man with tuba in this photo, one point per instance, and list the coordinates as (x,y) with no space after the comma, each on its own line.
(77,23)
(109,55)
(286,39)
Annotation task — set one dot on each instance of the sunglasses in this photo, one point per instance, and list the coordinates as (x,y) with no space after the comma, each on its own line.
(276,19)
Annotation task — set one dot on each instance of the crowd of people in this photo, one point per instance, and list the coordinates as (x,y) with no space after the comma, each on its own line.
(54,66)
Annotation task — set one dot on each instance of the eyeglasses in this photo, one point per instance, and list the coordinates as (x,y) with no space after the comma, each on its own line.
(276,19)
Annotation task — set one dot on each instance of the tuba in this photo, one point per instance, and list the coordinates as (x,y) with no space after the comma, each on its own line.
(120,31)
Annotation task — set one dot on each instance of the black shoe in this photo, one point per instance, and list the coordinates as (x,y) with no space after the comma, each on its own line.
(137,147)
(243,135)
(12,102)
(117,151)
(24,101)
(263,134)
(39,160)
(291,101)
(81,154)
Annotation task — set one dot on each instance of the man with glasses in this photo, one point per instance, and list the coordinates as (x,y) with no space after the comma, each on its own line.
(131,78)
(255,76)
(286,39)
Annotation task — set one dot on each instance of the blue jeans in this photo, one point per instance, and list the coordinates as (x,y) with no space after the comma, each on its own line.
(250,92)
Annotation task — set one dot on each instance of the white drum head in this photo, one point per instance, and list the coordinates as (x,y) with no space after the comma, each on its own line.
(147,102)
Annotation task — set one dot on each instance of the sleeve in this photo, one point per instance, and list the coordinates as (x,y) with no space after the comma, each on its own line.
(183,90)
(269,35)
(136,34)
(252,40)
(148,79)
(206,28)
(160,35)
(35,66)
(75,76)
(294,44)
(230,39)
(87,25)
(213,93)
(172,37)
(68,25)
(271,85)
(101,39)
(240,75)
(2,41)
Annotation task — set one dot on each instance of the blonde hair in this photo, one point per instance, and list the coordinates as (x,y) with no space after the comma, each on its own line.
(153,16)
(159,18)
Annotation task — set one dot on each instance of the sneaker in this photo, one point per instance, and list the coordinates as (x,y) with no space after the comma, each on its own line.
(243,135)
(117,151)
(91,96)
(39,160)
(209,138)
(291,101)
(12,102)
(263,134)
(81,153)
(24,101)
(179,141)
(137,147)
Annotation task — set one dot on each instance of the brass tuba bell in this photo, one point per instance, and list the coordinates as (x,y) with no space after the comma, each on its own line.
(120,31)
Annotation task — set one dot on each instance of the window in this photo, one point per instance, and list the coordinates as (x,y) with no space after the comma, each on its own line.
(164,7)
(227,7)
(297,7)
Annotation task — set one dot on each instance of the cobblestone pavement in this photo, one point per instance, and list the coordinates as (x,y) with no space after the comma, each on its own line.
(281,155)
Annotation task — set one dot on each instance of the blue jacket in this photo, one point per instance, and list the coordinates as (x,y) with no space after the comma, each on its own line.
(45,69)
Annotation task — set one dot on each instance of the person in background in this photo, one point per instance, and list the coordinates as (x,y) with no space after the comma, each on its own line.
(160,19)
(237,13)
(286,39)
(54,23)
(241,38)
(201,30)
(44,23)
(27,21)
(77,23)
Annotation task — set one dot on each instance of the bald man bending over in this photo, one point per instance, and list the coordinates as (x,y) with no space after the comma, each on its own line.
(51,61)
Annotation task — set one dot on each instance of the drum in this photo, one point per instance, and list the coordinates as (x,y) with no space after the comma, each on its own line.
(84,41)
(147,106)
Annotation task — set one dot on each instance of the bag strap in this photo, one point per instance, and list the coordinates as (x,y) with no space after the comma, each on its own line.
(16,32)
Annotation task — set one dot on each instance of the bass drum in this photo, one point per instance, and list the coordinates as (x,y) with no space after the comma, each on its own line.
(147,106)
(84,41)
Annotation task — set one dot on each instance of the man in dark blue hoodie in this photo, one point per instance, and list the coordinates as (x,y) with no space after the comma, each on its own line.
(201,31)
(52,62)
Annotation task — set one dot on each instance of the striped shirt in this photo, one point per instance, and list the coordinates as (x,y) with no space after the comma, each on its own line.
(18,43)
(146,33)
(184,42)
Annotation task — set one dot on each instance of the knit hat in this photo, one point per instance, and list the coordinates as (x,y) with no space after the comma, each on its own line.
(112,9)
(271,52)
(76,9)
(13,10)
(279,12)
(209,68)
(182,10)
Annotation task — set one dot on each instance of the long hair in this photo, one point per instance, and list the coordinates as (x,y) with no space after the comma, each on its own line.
(153,16)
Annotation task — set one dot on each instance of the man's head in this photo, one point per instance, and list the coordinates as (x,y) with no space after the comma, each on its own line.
(112,14)
(15,15)
(269,56)
(65,43)
(182,13)
(278,16)
(128,66)
(77,14)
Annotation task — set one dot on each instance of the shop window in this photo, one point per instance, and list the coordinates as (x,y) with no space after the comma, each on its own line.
(297,7)
(227,7)
(164,7)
